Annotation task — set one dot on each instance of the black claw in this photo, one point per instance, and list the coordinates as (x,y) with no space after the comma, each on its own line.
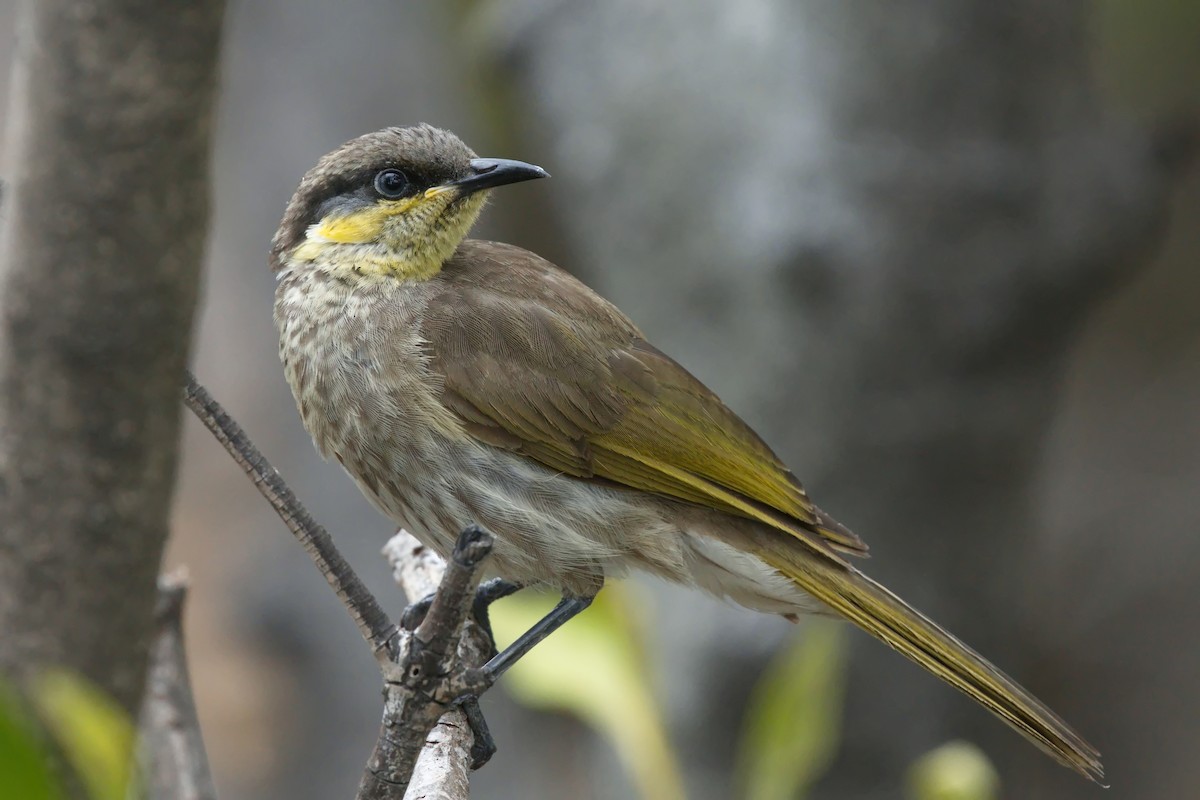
(415,613)
(489,592)
(485,746)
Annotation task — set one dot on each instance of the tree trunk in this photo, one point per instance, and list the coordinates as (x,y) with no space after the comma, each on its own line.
(104,225)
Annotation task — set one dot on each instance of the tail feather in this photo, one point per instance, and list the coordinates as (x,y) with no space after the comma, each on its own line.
(885,616)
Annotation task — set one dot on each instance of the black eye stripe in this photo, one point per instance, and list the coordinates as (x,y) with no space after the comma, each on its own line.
(392,184)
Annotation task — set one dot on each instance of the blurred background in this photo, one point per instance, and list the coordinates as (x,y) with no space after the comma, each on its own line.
(941,254)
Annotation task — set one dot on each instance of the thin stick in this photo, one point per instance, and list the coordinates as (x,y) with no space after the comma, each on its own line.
(443,769)
(423,684)
(176,765)
(425,672)
(369,616)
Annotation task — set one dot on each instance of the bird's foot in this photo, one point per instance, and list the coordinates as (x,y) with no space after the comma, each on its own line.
(489,592)
(484,746)
(414,613)
(486,593)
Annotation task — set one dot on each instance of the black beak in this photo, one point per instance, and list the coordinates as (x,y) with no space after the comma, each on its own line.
(487,173)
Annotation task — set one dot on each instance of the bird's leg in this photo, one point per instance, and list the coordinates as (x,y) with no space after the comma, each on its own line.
(490,591)
(567,608)
(484,746)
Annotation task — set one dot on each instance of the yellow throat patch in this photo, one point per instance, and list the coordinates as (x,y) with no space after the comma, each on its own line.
(407,239)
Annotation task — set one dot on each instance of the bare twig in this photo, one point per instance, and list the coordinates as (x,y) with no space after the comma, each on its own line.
(443,772)
(444,767)
(372,622)
(175,763)
(425,681)
(424,672)
(415,568)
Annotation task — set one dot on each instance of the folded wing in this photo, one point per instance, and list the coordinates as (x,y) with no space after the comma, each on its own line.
(535,362)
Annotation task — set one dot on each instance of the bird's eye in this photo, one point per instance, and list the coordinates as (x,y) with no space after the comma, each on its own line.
(391,184)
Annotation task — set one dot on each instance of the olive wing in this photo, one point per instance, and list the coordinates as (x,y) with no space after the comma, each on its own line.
(534,362)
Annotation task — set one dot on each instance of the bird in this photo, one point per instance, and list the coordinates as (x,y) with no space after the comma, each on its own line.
(460,381)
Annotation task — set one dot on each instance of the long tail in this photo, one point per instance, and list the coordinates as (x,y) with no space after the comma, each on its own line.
(885,616)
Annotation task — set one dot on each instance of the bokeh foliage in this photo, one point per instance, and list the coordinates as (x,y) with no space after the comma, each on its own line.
(793,721)
(92,732)
(596,669)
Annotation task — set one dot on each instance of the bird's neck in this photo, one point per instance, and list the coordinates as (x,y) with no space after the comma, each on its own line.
(367,262)
(386,247)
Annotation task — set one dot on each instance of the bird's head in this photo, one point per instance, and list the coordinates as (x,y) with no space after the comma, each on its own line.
(396,202)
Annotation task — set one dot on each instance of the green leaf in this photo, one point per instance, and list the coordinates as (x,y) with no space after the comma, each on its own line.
(24,769)
(794,719)
(95,734)
(954,771)
(595,668)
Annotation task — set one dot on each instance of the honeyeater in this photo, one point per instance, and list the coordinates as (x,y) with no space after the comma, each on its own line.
(461,381)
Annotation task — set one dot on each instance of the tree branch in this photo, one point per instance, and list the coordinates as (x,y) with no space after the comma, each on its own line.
(444,767)
(425,671)
(175,763)
(430,674)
